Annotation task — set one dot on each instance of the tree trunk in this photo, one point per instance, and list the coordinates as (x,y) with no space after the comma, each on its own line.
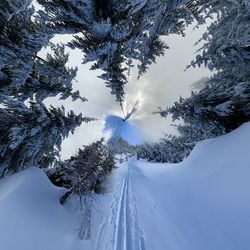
(66,195)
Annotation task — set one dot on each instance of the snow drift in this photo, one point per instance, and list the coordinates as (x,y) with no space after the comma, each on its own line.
(32,217)
(200,203)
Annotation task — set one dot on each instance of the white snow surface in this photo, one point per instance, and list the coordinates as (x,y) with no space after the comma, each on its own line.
(31,215)
(202,203)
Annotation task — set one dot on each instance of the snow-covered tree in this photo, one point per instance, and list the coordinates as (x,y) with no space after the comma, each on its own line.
(20,40)
(82,174)
(84,171)
(225,99)
(226,45)
(223,103)
(10,8)
(50,77)
(70,17)
(114,34)
(121,149)
(175,148)
(31,136)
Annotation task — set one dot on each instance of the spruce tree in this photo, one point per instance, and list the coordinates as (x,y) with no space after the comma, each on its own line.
(225,98)
(20,41)
(119,33)
(10,8)
(31,136)
(50,77)
(83,171)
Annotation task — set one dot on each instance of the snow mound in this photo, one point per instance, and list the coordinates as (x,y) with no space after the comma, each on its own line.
(202,202)
(31,215)
(120,128)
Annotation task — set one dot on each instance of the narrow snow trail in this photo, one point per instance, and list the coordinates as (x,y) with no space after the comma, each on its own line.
(120,230)
(200,203)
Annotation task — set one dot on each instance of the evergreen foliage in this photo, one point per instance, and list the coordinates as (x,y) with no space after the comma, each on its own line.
(225,99)
(224,102)
(20,41)
(121,146)
(175,148)
(121,149)
(31,136)
(84,171)
(114,34)
(50,77)
(10,8)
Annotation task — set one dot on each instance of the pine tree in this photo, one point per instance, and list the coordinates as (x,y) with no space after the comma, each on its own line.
(119,33)
(84,171)
(20,41)
(10,8)
(50,77)
(31,136)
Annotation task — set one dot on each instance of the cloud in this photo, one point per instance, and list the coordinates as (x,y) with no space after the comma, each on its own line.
(164,82)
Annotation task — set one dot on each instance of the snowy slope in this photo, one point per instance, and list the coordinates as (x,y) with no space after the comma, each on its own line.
(31,215)
(202,203)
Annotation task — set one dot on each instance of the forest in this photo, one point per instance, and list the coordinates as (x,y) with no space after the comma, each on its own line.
(114,38)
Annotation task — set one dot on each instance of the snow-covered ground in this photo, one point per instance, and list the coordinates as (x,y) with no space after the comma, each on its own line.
(202,203)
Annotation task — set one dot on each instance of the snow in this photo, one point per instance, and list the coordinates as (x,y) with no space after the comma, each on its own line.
(31,215)
(200,203)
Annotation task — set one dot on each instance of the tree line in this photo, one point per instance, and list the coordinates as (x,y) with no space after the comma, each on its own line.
(223,103)
(114,36)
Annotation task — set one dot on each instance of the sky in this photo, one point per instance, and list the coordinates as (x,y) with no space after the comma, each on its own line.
(161,85)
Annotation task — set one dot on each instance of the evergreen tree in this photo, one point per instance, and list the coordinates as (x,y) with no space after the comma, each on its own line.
(224,101)
(121,149)
(84,171)
(31,136)
(175,148)
(116,33)
(10,8)
(20,40)
(50,77)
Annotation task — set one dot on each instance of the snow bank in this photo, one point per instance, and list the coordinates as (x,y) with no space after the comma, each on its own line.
(202,202)
(32,217)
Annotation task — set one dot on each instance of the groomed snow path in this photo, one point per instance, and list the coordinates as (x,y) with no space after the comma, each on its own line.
(120,229)
(202,203)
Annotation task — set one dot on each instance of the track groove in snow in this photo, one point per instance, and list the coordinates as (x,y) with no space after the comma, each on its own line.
(120,230)
(202,203)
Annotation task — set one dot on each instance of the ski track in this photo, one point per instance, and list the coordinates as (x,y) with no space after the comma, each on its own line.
(120,230)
